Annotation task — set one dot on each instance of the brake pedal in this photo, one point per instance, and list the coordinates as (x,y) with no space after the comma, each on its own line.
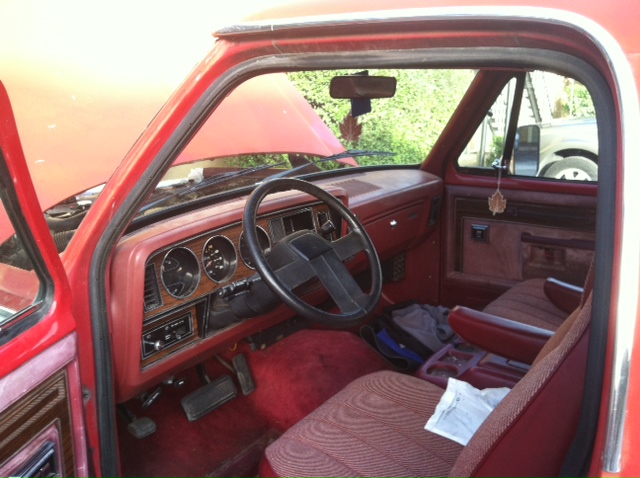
(208,397)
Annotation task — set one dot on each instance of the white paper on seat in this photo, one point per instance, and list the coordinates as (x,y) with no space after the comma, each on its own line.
(462,409)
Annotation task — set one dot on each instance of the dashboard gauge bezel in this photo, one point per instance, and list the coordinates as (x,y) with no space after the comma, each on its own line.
(190,275)
(242,248)
(228,254)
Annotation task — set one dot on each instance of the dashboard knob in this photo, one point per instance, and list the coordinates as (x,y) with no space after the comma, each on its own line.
(327,228)
(157,345)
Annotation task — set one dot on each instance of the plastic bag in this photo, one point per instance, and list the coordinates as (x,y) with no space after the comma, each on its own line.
(462,409)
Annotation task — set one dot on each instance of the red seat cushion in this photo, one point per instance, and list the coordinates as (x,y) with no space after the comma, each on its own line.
(374,427)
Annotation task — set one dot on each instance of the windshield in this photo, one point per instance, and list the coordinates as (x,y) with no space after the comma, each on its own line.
(290,124)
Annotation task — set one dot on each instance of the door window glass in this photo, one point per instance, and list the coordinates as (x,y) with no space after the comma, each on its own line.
(19,283)
(556,136)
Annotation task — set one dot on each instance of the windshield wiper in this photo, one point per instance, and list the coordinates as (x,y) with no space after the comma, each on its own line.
(205,183)
(230,175)
(350,153)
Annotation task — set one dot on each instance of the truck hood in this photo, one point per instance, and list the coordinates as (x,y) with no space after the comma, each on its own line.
(60,138)
(60,132)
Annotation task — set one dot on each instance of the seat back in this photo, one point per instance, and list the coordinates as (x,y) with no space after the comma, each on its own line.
(543,303)
(531,430)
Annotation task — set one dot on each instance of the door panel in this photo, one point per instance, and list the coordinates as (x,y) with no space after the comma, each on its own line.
(37,434)
(44,419)
(540,234)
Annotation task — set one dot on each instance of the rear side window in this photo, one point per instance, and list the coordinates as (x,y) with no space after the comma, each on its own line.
(556,136)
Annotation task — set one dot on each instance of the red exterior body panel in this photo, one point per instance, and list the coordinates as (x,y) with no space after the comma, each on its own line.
(59,322)
(50,344)
(228,57)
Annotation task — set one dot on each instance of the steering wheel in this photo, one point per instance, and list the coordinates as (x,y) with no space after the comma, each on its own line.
(304,255)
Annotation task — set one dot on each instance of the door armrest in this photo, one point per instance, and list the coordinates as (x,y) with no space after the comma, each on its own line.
(563,295)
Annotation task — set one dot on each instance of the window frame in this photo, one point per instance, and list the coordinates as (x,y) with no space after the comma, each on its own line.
(31,315)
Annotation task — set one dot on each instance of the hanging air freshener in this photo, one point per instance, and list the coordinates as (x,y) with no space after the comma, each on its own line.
(497,202)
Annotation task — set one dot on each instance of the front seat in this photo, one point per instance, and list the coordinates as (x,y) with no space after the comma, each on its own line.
(544,303)
(375,426)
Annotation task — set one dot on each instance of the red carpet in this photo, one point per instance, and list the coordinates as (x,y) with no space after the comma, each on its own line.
(292,378)
(296,376)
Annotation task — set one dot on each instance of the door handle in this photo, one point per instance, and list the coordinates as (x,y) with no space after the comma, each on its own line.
(42,464)
(556,242)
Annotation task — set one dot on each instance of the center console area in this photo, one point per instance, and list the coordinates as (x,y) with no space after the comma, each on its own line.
(464,361)
(491,352)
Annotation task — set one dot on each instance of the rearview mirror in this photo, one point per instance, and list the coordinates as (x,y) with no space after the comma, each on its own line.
(354,87)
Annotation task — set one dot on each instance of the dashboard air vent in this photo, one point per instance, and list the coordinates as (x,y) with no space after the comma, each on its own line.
(152,299)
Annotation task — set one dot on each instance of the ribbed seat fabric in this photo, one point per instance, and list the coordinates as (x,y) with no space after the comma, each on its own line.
(374,427)
(527,303)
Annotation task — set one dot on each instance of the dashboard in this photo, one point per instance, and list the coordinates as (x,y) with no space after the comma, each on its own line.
(185,281)
(170,280)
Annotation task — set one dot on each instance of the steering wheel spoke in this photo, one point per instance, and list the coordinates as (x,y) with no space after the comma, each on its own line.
(348,246)
(295,274)
(338,282)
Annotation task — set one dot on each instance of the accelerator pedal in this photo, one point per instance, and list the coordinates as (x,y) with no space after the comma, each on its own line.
(241,367)
(208,397)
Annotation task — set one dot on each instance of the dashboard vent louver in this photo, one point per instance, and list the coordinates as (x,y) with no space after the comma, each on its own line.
(152,299)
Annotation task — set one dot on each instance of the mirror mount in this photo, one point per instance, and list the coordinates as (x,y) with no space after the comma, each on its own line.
(361,89)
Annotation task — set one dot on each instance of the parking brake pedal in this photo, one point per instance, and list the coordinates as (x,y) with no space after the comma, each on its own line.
(142,427)
(138,427)
(208,397)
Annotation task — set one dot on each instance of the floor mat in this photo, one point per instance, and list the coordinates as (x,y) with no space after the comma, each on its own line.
(292,378)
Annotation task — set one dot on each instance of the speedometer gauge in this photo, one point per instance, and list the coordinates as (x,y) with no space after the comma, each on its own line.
(263,240)
(180,272)
(219,259)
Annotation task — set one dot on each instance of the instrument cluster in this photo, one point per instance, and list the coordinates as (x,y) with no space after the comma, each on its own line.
(180,270)
(195,267)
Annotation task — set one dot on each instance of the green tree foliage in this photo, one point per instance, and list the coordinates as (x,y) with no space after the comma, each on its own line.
(407,124)
(575,101)
(579,103)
